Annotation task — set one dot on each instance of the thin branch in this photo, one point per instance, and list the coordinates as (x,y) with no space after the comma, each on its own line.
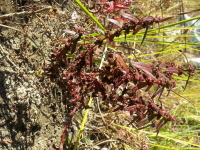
(25,13)
(2,25)
(7,57)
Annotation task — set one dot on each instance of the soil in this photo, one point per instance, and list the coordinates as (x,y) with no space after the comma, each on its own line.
(32,114)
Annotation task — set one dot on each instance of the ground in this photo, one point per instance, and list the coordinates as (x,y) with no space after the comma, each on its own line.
(31,111)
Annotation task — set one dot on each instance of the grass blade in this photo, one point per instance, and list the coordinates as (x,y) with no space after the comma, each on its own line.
(89,14)
(82,124)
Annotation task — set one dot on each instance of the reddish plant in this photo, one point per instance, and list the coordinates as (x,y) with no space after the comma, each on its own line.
(118,83)
(116,4)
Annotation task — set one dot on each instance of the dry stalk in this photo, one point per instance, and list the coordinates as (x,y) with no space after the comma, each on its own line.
(26,13)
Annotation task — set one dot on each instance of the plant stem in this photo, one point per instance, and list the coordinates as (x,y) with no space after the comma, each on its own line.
(83,124)
(89,14)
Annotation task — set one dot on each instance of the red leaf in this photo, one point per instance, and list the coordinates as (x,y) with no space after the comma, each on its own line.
(148,19)
(144,67)
(130,17)
(115,22)
(91,59)
(146,120)
(159,91)
(120,7)
(167,79)
(130,108)
(148,73)
(69,31)
(63,39)
(141,85)
(162,122)
(141,65)
(121,62)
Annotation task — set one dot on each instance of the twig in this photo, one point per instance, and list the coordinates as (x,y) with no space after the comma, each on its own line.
(43,23)
(2,25)
(6,56)
(102,60)
(25,13)
(6,141)
(101,142)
